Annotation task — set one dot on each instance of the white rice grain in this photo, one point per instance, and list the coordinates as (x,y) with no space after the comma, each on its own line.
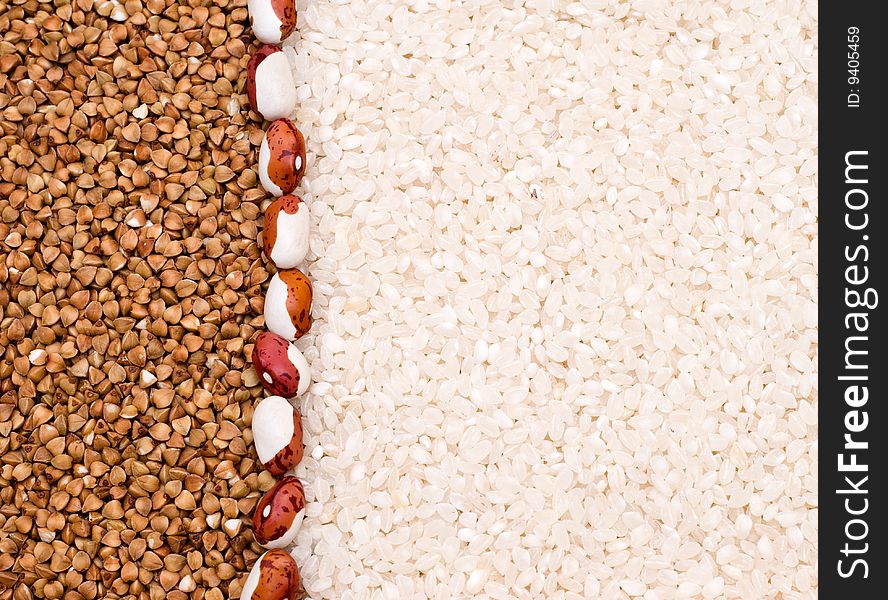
(564,257)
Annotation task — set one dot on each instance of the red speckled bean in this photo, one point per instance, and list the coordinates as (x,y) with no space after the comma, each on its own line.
(270,85)
(272,20)
(281,157)
(288,304)
(282,368)
(275,576)
(277,434)
(279,514)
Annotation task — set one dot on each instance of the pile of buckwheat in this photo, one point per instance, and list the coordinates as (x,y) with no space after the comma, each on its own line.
(130,291)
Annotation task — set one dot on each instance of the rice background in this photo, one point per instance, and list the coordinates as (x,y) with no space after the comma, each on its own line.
(565,265)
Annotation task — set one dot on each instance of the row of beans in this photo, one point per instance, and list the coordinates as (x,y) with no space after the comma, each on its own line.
(283,370)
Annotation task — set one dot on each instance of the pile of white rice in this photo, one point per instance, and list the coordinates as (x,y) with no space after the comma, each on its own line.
(565,261)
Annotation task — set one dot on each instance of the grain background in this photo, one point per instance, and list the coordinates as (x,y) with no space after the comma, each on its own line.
(131,288)
(564,257)
(565,264)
